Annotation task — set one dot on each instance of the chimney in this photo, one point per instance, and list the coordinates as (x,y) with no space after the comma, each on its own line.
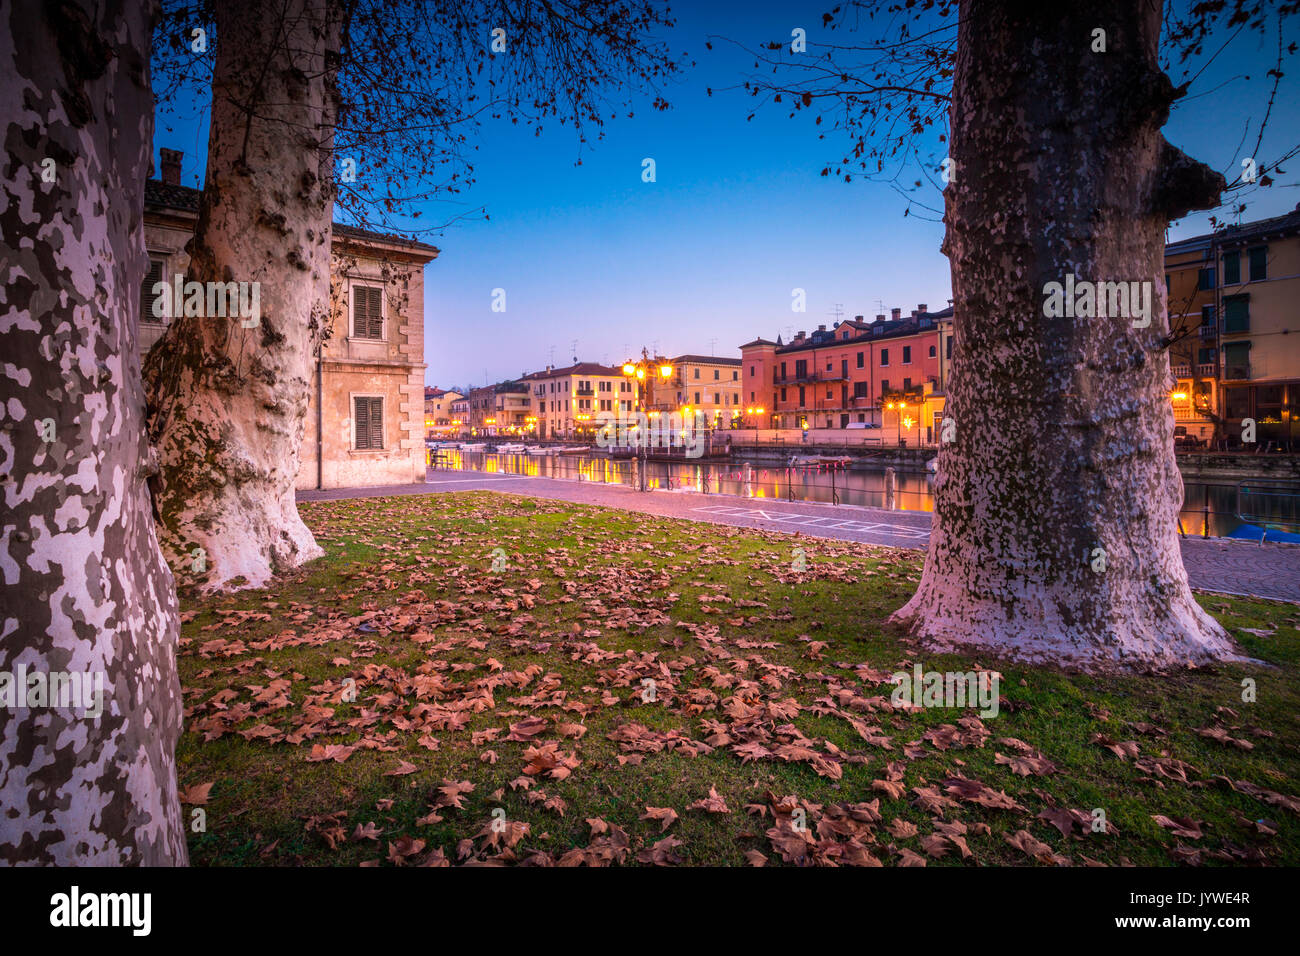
(921,308)
(880,317)
(895,313)
(171,166)
(821,328)
(857,318)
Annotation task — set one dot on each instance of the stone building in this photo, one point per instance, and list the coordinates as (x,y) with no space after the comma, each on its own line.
(365,421)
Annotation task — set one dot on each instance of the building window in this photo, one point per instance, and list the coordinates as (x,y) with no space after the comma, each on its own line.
(1207,316)
(1236,313)
(735,376)
(697,373)
(884,358)
(932,350)
(947,347)
(368,423)
(1204,279)
(1236,403)
(717,374)
(907,355)
(1231,268)
(1258,263)
(367,312)
(152,278)
(861,358)
(1236,362)
(802,397)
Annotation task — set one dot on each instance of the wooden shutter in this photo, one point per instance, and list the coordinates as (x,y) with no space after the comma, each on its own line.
(1231,268)
(1236,314)
(1258,263)
(367,312)
(368,419)
(154,276)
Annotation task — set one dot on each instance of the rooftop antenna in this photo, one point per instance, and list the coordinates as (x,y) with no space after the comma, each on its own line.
(880,307)
(575,351)
(713,346)
(838,311)
(552,365)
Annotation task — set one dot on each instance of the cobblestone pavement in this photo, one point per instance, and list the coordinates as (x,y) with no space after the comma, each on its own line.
(1213,564)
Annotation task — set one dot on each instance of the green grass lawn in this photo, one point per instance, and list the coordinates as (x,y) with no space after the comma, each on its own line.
(400,701)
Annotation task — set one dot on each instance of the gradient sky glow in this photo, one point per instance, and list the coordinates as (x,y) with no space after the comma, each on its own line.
(738,217)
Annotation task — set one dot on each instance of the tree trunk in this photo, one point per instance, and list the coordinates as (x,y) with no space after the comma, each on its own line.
(1055,533)
(228,396)
(85,589)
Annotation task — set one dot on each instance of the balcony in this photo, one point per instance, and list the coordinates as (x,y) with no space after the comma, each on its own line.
(1209,331)
(584,392)
(811,378)
(1181,371)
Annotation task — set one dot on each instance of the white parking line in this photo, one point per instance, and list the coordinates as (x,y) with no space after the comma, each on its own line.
(877,527)
(461,481)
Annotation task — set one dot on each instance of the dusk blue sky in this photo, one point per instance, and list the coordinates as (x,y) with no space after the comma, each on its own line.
(738,217)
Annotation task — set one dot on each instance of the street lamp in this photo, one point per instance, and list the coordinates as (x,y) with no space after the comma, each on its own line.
(643,371)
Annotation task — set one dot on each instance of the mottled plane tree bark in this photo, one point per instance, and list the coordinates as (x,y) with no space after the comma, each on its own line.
(1056,504)
(360,101)
(229,394)
(1056,501)
(85,589)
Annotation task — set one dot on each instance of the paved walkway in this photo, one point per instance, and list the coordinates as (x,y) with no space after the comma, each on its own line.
(1213,564)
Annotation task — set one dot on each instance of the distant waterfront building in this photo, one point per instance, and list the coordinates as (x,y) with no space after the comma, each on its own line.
(459,424)
(890,373)
(500,409)
(438,411)
(706,384)
(566,401)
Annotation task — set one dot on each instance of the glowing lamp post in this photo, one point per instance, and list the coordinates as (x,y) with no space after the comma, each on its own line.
(644,372)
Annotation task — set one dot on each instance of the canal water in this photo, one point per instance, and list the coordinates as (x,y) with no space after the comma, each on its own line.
(1208,509)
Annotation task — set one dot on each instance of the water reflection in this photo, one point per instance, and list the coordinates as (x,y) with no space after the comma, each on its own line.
(1208,509)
